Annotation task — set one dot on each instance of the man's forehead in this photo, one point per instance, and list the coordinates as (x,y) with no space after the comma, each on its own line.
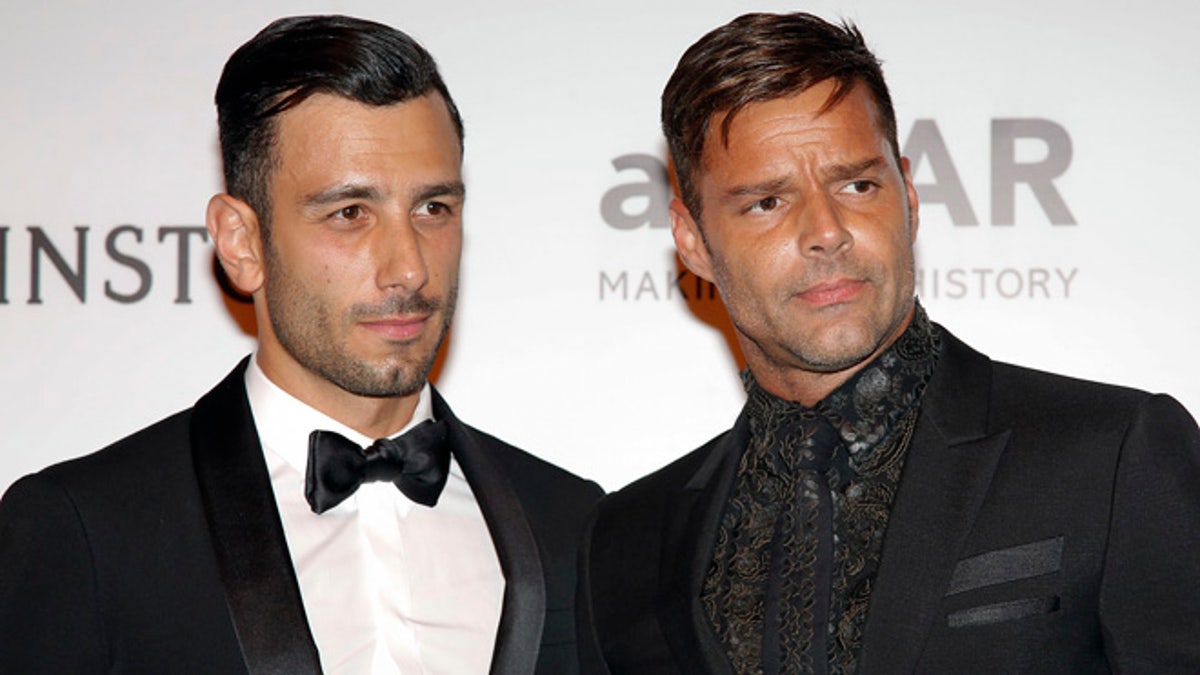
(324,121)
(333,148)
(815,100)
(856,111)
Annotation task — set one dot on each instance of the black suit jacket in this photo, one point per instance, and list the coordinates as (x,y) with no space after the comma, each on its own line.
(164,553)
(1042,524)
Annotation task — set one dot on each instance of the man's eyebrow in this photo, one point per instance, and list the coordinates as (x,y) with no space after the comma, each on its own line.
(766,187)
(360,192)
(343,192)
(839,172)
(454,188)
(833,173)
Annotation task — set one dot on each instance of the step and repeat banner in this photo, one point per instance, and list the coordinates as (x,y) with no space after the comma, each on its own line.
(1055,149)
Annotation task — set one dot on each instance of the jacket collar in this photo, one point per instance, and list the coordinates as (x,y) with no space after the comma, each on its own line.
(946,475)
(247,536)
(518,638)
(689,536)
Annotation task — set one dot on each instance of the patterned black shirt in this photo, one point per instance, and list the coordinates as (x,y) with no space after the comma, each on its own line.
(801,535)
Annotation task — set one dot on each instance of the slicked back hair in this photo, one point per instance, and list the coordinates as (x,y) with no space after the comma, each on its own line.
(296,57)
(755,58)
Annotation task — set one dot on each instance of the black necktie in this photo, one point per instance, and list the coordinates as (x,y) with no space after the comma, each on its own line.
(417,462)
(799,579)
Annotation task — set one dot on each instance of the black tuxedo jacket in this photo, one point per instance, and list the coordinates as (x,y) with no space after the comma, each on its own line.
(1042,524)
(164,553)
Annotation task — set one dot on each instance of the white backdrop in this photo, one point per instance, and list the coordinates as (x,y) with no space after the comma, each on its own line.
(572,339)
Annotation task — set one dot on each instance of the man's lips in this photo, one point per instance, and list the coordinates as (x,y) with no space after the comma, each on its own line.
(398,327)
(832,292)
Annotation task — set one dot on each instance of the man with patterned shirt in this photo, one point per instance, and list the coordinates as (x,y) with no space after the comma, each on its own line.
(889,500)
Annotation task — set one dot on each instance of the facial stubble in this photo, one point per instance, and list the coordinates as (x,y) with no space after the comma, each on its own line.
(810,354)
(307,329)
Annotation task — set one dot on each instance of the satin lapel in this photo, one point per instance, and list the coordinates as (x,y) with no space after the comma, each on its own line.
(252,555)
(946,475)
(524,613)
(689,535)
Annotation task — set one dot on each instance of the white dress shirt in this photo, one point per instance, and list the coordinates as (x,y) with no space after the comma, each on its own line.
(389,586)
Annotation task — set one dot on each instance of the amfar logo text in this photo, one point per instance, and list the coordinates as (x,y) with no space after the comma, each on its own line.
(644,202)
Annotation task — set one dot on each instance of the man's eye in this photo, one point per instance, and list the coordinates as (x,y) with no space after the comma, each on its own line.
(765,204)
(859,187)
(350,212)
(434,209)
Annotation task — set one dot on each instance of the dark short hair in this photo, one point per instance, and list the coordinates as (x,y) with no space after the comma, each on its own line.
(761,57)
(292,59)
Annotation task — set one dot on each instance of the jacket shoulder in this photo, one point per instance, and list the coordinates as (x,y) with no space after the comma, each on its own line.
(652,492)
(554,482)
(1059,390)
(970,393)
(148,452)
(99,545)
(1049,401)
(139,456)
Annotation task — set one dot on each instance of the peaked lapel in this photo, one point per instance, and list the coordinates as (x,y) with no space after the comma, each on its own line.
(689,536)
(946,475)
(523,615)
(255,567)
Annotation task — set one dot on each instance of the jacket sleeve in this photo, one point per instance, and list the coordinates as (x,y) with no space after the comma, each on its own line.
(1150,594)
(49,618)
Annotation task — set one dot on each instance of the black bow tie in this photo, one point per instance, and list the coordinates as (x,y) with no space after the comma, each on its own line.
(417,462)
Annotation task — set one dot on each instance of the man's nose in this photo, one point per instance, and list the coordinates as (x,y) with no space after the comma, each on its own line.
(821,230)
(400,261)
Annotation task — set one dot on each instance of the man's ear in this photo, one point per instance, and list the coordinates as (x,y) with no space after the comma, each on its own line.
(234,229)
(910,193)
(693,251)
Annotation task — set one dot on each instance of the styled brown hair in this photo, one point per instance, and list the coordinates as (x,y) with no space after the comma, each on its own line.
(762,57)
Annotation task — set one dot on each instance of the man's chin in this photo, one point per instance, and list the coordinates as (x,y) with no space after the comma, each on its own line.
(832,363)
(380,381)
(383,389)
(839,352)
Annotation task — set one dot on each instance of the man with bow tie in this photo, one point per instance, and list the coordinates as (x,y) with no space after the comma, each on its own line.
(321,509)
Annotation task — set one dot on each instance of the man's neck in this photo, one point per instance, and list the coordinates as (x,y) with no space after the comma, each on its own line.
(808,387)
(372,416)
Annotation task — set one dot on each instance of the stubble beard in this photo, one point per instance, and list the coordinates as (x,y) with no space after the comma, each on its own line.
(307,330)
(834,349)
